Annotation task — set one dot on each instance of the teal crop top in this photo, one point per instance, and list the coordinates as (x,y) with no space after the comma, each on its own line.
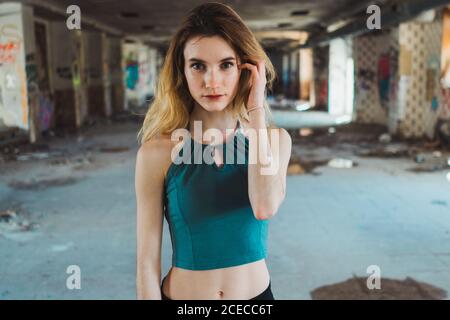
(211,221)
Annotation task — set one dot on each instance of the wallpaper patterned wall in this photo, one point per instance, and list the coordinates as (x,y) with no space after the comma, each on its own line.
(397,78)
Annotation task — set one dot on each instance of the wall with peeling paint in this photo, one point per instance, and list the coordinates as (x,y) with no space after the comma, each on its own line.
(140,72)
(66,47)
(94,50)
(375,59)
(116,69)
(320,76)
(340,73)
(445,65)
(419,72)
(13,82)
(398,78)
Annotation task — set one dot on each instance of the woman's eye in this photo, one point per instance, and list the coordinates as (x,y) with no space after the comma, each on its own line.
(229,64)
(201,67)
(196,66)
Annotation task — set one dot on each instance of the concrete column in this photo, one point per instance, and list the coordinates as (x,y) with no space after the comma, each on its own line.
(94,51)
(67,72)
(116,75)
(419,94)
(18,87)
(340,96)
(375,58)
(140,70)
(306,76)
(320,77)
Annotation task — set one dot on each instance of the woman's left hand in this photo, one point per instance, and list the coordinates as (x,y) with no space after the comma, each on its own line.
(257,83)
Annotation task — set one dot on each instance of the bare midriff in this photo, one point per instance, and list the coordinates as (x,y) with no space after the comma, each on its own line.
(239,282)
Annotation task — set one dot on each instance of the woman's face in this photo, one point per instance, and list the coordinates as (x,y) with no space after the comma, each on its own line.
(211,69)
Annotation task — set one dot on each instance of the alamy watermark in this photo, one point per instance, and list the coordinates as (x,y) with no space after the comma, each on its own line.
(374,280)
(374,20)
(269,163)
(73,22)
(74,280)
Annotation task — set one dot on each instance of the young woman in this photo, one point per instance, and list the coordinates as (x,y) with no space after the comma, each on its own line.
(215,72)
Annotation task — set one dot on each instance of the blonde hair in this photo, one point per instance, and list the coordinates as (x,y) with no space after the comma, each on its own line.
(172,102)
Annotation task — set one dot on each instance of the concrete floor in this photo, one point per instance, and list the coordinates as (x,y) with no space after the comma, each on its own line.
(332,225)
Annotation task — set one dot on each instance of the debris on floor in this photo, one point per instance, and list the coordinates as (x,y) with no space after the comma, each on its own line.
(305,132)
(295,169)
(11,222)
(61,247)
(40,184)
(341,163)
(443,132)
(76,161)
(387,151)
(391,289)
(385,138)
(114,149)
(430,162)
(298,165)
(32,156)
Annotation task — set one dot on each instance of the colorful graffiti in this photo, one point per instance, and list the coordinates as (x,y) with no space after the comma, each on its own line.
(9,52)
(12,72)
(366,78)
(132,72)
(45,111)
(383,79)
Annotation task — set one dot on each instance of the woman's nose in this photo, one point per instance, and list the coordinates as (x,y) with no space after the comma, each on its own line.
(211,79)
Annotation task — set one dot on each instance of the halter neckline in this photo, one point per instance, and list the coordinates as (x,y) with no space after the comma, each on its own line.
(229,138)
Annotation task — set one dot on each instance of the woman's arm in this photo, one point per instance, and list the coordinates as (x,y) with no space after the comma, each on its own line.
(266,174)
(267,177)
(149,185)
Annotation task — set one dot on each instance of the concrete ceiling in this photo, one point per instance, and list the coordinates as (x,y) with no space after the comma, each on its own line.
(154,21)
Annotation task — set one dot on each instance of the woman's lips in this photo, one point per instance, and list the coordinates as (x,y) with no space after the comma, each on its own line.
(215,97)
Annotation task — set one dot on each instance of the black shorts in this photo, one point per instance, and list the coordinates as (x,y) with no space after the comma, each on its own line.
(265,295)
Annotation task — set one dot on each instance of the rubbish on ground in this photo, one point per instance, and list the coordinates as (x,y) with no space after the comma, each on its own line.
(388,151)
(429,162)
(356,288)
(305,166)
(305,132)
(340,163)
(295,169)
(34,156)
(385,138)
(114,149)
(7,214)
(34,184)
(443,131)
(10,222)
(77,161)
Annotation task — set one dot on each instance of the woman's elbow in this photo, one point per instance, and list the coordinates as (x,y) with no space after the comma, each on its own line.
(265,210)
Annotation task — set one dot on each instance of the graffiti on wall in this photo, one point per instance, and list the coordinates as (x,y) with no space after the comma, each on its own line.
(9,52)
(366,79)
(383,79)
(9,49)
(14,104)
(132,71)
(320,63)
(432,82)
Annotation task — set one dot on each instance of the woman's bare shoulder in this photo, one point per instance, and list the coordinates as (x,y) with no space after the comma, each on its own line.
(155,154)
